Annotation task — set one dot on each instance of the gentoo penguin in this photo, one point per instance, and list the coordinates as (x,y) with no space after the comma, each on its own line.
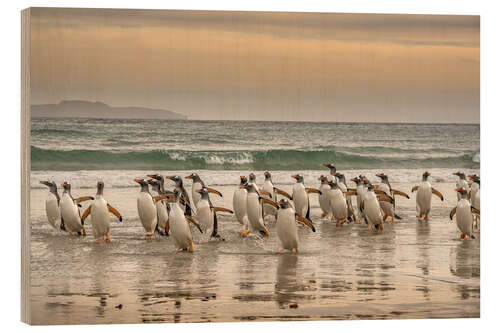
(343,187)
(254,212)
(385,187)
(286,224)
(252,180)
(240,204)
(146,207)
(300,196)
(184,197)
(424,196)
(178,224)
(475,196)
(162,208)
(333,170)
(52,206)
(338,203)
(197,185)
(70,213)
(268,186)
(99,214)
(464,211)
(461,182)
(206,213)
(371,208)
(324,203)
(360,192)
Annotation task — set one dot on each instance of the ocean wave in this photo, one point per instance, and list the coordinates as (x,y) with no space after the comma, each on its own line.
(343,157)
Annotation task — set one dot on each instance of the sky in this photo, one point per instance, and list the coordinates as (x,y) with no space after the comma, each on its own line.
(261,65)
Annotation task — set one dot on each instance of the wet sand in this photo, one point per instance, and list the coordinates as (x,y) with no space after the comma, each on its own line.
(410,270)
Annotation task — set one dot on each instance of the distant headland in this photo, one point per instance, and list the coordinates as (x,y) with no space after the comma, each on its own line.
(87,109)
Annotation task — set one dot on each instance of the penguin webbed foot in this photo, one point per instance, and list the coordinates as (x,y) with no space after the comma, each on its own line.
(218,237)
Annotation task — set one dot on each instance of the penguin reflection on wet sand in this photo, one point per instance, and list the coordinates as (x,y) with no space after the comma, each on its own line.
(206,213)
(424,197)
(70,212)
(286,225)
(52,209)
(99,211)
(463,212)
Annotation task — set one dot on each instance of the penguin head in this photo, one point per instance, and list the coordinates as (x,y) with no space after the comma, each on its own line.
(284,203)
(267,175)
(460,174)
(356,180)
(323,179)
(176,179)
(66,186)
(299,178)
(100,187)
(156,176)
(194,177)
(155,185)
(51,185)
(365,181)
(425,175)
(474,178)
(339,176)
(330,166)
(203,191)
(382,176)
(251,177)
(248,187)
(143,183)
(333,185)
(462,191)
(243,180)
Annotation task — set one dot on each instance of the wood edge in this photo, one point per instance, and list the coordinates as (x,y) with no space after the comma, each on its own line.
(25,165)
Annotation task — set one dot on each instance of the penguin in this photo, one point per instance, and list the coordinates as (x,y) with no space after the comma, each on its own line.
(360,191)
(178,224)
(240,204)
(161,208)
(254,212)
(324,203)
(99,211)
(70,212)
(286,225)
(252,181)
(343,187)
(300,196)
(333,170)
(338,203)
(464,211)
(197,185)
(371,208)
(461,182)
(268,186)
(52,206)
(207,213)
(475,197)
(385,186)
(146,207)
(184,197)
(424,196)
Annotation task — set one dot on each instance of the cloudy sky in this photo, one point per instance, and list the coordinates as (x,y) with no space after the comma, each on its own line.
(261,65)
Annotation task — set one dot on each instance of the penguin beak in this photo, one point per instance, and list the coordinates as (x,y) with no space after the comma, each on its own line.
(171,178)
(326,165)
(152,176)
(379,175)
(44,182)
(189,177)
(137,181)
(199,191)
(353,179)
(455,173)
(294,176)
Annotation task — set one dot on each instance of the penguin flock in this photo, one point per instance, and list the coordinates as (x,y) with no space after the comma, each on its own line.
(170,213)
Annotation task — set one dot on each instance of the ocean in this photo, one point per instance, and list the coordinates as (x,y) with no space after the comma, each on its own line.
(410,270)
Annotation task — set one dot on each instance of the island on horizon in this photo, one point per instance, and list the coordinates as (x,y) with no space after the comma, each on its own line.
(88,109)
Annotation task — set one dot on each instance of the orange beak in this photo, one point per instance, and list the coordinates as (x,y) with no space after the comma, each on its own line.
(171,178)
(378,175)
(294,177)
(137,180)
(189,177)
(44,182)
(199,191)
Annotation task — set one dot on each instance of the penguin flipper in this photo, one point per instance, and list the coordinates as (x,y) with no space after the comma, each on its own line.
(85,198)
(308,210)
(86,213)
(191,220)
(414,188)
(113,211)
(475,211)
(453,212)
(62,226)
(437,193)
(397,217)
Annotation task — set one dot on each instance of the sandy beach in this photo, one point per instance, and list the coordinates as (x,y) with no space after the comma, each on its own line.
(410,270)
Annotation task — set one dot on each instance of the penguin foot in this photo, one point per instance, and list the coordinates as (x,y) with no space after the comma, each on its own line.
(244,233)
(426,218)
(108,239)
(385,217)
(297,251)
(462,236)
(392,220)
(84,233)
(191,248)
(381,226)
(324,214)
(149,234)
(264,233)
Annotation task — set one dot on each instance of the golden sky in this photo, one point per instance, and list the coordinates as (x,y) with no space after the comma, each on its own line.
(261,65)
